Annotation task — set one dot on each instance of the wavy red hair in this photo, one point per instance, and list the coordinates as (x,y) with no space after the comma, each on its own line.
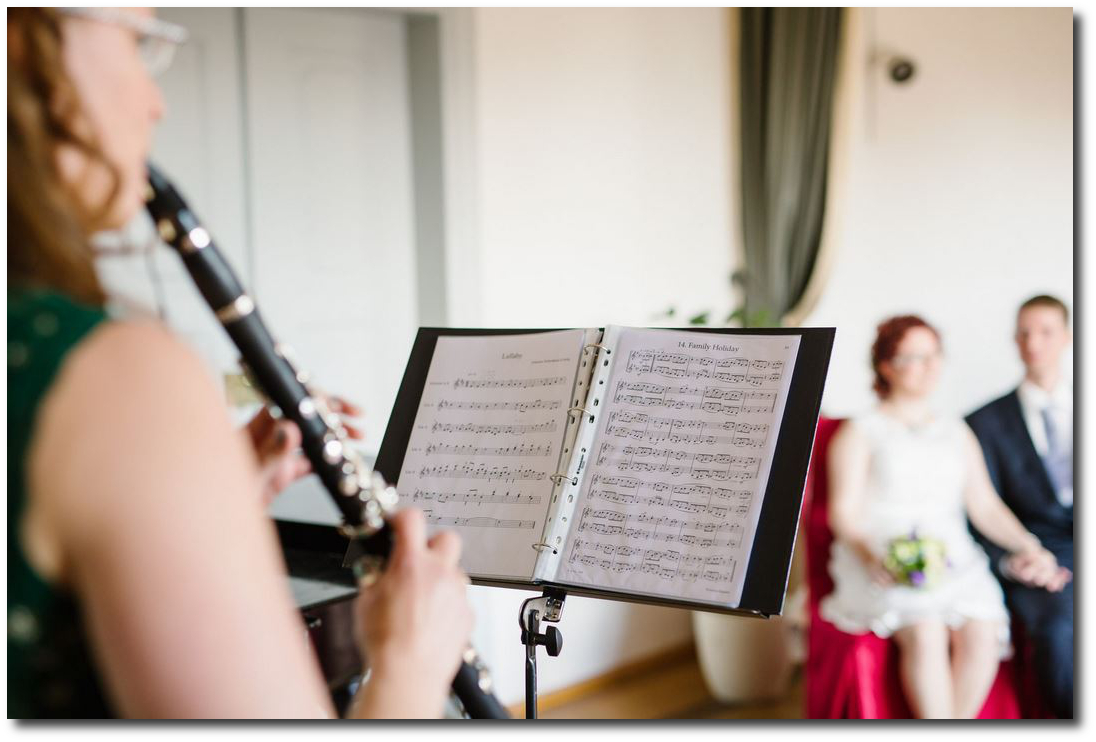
(888,336)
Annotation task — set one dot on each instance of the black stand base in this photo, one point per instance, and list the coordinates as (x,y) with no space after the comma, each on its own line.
(548,607)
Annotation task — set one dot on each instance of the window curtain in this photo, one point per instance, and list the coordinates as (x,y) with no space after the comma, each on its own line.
(788,61)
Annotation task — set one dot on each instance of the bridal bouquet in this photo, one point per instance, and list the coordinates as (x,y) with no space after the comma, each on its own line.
(916,561)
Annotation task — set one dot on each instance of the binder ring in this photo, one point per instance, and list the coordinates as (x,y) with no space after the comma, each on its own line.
(541,546)
(557,477)
(580,409)
(592,345)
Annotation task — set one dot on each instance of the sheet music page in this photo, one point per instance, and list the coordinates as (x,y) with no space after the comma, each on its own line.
(487,436)
(671,497)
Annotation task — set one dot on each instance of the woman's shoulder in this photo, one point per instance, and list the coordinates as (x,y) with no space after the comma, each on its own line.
(138,363)
(132,408)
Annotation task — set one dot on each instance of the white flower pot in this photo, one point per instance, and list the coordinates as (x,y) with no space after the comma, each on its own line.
(743,659)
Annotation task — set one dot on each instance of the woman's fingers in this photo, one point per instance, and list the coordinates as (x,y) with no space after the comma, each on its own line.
(409,527)
(353,431)
(282,437)
(1059,580)
(344,407)
(260,426)
(447,545)
(287,437)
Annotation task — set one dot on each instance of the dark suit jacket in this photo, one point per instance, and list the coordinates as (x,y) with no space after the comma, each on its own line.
(1020,478)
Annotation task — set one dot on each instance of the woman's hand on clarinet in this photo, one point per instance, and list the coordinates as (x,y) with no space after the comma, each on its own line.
(276,443)
(414,623)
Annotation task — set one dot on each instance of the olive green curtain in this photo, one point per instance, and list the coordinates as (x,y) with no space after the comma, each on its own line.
(787,66)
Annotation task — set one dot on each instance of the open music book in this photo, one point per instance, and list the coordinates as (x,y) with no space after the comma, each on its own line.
(655,465)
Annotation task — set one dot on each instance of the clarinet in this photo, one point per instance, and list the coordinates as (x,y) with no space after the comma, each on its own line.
(362,496)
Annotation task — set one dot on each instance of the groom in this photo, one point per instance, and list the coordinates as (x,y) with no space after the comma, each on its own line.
(1027,439)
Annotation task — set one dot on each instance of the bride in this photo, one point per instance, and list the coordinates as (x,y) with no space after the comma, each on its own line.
(900,471)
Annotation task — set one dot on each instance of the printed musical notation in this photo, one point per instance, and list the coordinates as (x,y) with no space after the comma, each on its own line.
(679,462)
(536,404)
(549,426)
(472,470)
(478,522)
(737,370)
(487,437)
(464,383)
(524,449)
(646,527)
(720,502)
(666,564)
(709,398)
(643,427)
(677,475)
(476,497)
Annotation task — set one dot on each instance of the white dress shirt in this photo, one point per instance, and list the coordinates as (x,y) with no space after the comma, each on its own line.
(1059,401)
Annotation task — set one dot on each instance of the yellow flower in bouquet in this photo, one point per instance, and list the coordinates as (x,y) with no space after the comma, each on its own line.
(916,561)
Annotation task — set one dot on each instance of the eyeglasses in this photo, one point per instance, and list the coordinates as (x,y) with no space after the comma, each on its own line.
(156,39)
(909,359)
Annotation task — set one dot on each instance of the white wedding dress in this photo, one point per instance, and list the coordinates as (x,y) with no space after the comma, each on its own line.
(915,485)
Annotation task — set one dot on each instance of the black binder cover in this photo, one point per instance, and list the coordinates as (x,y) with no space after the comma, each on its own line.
(771,555)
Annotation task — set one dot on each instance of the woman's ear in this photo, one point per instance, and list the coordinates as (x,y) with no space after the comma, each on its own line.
(886,370)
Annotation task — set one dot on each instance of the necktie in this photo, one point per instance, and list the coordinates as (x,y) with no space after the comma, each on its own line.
(1059,457)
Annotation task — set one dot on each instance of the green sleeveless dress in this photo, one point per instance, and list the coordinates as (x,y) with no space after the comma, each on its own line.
(50,671)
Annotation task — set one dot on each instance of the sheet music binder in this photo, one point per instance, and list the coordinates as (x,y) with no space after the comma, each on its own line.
(770,556)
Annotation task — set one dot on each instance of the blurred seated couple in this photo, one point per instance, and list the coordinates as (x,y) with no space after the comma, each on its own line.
(904,482)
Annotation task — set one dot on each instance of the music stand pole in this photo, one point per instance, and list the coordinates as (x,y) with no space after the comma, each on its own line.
(548,607)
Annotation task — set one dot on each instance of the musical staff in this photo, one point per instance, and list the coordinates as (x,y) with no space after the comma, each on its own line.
(473,470)
(644,526)
(667,564)
(536,404)
(490,429)
(476,497)
(643,427)
(463,383)
(478,522)
(737,370)
(716,399)
(524,449)
(723,466)
(693,498)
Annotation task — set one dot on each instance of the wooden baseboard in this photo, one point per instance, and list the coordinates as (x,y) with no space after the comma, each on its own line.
(651,663)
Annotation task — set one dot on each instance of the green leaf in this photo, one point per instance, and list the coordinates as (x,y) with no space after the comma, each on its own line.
(760,318)
(699,319)
(738,315)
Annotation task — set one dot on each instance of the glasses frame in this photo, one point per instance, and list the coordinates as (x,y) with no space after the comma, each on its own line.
(906,360)
(169,35)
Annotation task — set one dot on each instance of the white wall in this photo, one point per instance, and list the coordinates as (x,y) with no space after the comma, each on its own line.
(603,195)
(960,192)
